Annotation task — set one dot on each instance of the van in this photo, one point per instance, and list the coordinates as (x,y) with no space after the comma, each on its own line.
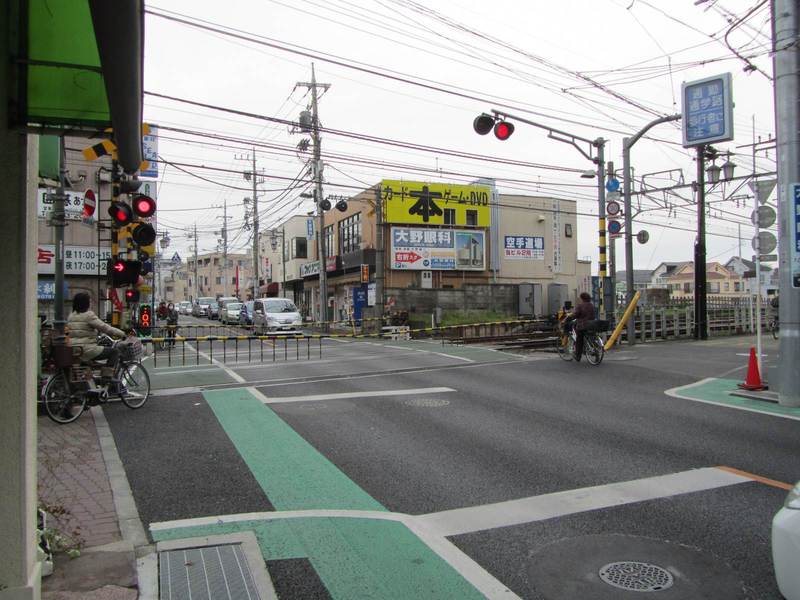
(272,315)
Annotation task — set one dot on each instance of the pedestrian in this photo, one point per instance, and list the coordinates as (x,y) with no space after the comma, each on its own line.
(172,323)
(582,314)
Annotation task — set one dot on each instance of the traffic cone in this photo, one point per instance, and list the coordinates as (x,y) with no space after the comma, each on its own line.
(753,380)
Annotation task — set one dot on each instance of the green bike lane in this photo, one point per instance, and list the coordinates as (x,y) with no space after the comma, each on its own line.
(354,557)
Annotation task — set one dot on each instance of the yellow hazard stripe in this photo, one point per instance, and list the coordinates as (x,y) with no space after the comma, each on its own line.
(103,148)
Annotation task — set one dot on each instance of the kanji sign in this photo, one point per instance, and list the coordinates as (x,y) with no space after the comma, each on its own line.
(73,205)
(707,110)
(150,153)
(524,247)
(78,260)
(416,202)
(437,249)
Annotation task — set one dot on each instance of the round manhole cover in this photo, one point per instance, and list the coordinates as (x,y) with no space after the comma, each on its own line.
(636,576)
(427,402)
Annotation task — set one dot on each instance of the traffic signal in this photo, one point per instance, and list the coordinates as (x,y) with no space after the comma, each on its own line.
(131,296)
(123,272)
(145,316)
(143,234)
(144,206)
(341,205)
(120,213)
(485,123)
(325,204)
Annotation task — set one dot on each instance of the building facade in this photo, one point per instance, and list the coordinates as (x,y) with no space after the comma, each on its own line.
(720,282)
(212,275)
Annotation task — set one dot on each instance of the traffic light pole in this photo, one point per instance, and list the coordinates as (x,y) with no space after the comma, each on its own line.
(700,321)
(379,255)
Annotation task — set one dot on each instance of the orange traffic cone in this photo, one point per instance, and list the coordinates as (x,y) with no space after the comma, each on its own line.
(753,380)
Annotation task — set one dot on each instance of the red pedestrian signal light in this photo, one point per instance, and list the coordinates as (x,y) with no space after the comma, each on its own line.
(144,206)
(120,213)
(145,316)
(503,130)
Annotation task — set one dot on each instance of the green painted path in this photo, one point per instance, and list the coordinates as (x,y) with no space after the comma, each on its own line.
(718,391)
(354,557)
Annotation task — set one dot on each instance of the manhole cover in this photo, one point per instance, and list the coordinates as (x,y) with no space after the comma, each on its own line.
(636,576)
(427,402)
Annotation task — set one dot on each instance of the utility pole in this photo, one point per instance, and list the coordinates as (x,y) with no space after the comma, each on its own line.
(318,197)
(59,223)
(700,320)
(195,262)
(787,121)
(600,144)
(256,281)
(379,255)
(627,144)
(225,247)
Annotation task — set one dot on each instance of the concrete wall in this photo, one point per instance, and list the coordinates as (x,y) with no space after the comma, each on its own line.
(499,298)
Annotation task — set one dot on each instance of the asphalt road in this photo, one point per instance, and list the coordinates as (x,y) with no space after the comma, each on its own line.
(565,468)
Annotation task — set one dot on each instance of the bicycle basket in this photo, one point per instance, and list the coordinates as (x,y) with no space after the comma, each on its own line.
(131,350)
(598,326)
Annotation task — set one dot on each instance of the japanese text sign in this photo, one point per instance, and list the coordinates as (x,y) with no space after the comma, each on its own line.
(524,247)
(794,251)
(437,249)
(416,202)
(707,110)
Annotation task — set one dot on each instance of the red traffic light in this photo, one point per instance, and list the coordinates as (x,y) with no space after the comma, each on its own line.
(131,296)
(120,213)
(123,272)
(119,266)
(144,206)
(503,130)
(483,124)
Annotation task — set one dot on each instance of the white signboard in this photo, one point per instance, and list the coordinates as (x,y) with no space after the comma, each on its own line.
(371,294)
(438,249)
(73,206)
(150,153)
(78,260)
(524,247)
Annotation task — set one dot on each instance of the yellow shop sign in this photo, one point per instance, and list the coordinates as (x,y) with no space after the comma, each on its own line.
(419,203)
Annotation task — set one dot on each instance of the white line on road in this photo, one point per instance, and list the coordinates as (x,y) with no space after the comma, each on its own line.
(462,358)
(343,395)
(558,504)
(233,374)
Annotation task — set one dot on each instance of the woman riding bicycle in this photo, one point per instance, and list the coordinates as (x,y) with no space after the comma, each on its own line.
(582,314)
(84,326)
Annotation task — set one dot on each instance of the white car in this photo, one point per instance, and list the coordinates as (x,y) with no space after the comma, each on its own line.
(185,308)
(786,545)
(230,313)
(274,315)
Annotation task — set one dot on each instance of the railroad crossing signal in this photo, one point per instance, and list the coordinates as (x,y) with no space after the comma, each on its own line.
(484,123)
(124,272)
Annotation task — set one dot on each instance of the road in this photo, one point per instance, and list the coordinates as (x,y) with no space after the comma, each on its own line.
(394,469)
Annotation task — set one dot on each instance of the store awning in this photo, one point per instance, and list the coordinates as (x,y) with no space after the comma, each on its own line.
(79,70)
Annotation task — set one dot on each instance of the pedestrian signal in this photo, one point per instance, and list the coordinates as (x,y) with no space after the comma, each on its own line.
(145,316)
(123,272)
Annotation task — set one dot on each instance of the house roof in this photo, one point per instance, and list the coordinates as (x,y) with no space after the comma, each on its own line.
(748,264)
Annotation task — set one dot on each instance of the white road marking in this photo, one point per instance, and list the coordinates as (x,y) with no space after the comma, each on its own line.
(343,395)
(340,340)
(462,358)
(676,393)
(558,504)
(233,374)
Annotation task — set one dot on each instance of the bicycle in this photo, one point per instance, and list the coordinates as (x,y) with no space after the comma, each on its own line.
(73,385)
(593,344)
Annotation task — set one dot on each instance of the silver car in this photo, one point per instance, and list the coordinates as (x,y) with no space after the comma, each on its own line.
(271,315)
(230,313)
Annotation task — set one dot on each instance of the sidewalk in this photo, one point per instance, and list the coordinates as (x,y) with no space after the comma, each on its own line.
(74,484)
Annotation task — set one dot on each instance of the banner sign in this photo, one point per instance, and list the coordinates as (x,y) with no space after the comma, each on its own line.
(438,249)
(312,268)
(524,247)
(78,260)
(46,290)
(150,153)
(419,203)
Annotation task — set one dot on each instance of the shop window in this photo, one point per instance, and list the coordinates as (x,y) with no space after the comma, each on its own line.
(449,216)
(472,218)
(350,234)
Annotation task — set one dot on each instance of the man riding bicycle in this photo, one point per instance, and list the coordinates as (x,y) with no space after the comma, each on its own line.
(582,314)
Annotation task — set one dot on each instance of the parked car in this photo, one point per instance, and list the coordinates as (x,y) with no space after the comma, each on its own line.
(246,313)
(213,310)
(786,545)
(275,314)
(185,307)
(223,301)
(229,314)
(202,307)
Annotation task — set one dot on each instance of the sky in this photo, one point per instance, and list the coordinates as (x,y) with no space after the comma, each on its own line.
(406,81)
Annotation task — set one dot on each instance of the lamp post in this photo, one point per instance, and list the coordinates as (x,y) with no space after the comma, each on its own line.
(627,144)
(503,130)
(704,153)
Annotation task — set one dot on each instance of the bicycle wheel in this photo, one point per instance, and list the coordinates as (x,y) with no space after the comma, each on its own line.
(564,345)
(774,329)
(594,350)
(136,381)
(59,404)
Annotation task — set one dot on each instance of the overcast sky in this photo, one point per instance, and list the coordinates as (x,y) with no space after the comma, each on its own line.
(593,68)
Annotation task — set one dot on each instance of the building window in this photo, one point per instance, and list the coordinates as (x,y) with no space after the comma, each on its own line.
(233,280)
(206,280)
(472,218)
(216,261)
(350,234)
(449,216)
(330,248)
(727,286)
(737,287)
(568,230)
(687,287)
(240,263)
(713,287)
(299,247)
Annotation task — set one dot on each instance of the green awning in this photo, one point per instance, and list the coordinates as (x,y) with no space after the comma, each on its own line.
(78,68)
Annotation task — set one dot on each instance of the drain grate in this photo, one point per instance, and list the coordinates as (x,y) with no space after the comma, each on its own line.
(206,573)
(636,576)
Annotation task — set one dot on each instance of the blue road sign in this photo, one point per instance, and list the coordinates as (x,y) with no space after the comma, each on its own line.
(707,110)
(612,185)
(614,227)
(795,237)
